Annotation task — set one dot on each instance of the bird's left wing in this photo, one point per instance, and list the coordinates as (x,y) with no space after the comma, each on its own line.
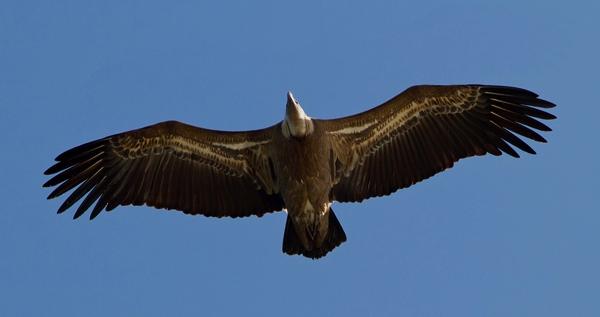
(424,130)
(171,165)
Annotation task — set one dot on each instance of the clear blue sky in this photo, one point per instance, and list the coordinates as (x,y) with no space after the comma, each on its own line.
(490,237)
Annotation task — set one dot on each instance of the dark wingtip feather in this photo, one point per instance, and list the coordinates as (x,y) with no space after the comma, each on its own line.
(507,149)
(55,193)
(100,205)
(513,154)
(518,95)
(536,102)
(65,205)
(54,181)
(78,213)
(544,103)
(86,147)
(57,167)
(509,90)
(520,144)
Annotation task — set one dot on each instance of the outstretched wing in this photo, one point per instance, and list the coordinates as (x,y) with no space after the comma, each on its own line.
(170,165)
(424,130)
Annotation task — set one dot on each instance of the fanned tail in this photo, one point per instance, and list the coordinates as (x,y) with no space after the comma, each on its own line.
(293,245)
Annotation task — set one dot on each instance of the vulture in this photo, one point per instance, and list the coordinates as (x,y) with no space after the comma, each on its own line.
(300,165)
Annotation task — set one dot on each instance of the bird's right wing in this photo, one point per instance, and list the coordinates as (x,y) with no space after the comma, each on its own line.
(424,130)
(171,165)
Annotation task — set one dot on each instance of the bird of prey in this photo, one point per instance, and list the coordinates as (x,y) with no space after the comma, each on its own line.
(300,165)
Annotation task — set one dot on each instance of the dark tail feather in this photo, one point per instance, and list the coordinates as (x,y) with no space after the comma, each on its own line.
(335,236)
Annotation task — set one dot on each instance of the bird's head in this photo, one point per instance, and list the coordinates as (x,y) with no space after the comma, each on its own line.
(296,123)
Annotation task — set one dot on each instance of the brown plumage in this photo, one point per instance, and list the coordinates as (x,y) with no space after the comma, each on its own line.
(300,164)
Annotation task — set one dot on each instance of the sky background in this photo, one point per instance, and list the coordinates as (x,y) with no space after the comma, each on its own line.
(494,236)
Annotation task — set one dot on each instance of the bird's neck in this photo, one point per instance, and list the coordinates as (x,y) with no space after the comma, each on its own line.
(296,122)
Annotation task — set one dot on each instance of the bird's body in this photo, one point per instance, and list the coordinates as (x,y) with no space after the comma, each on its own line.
(301,164)
(304,178)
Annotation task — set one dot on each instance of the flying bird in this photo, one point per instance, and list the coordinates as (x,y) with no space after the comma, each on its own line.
(301,164)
